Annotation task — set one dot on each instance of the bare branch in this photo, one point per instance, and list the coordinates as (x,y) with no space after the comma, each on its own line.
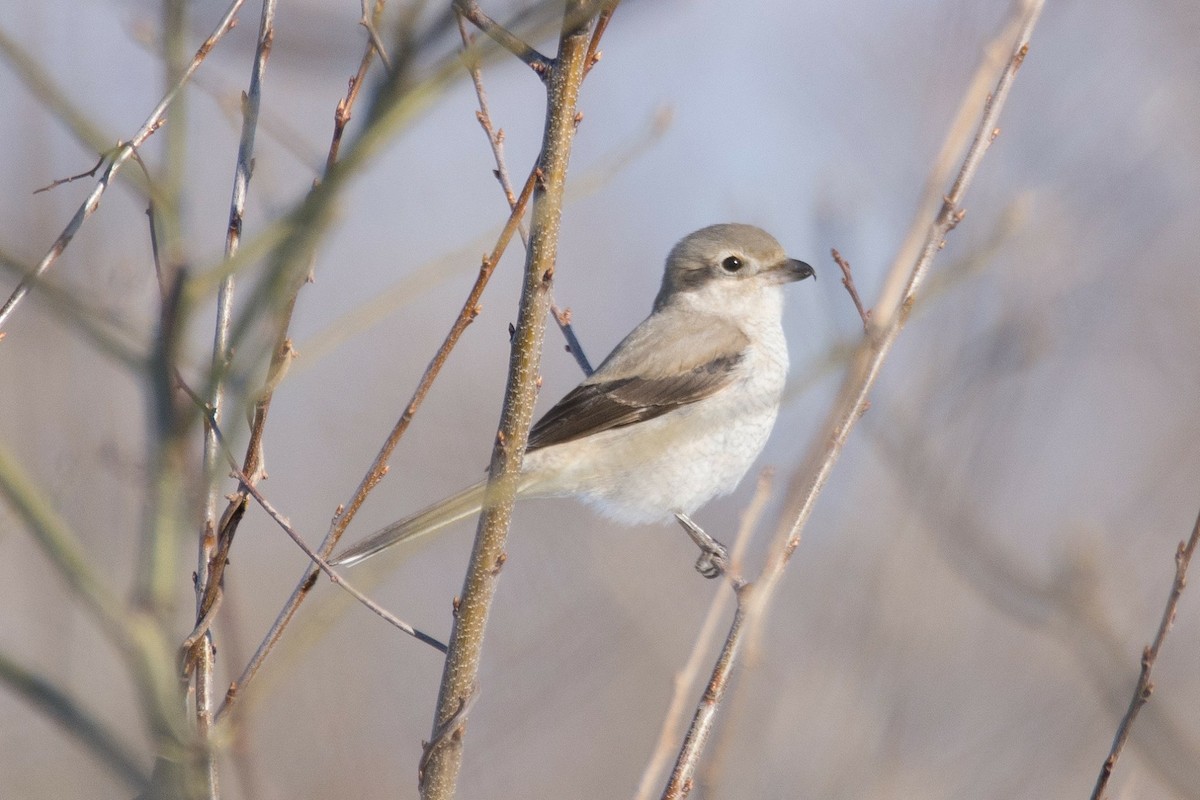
(379,467)
(893,310)
(460,675)
(593,53)
(213,549)
(368,21)
(1145,687)
(123,153)
(503,37)
(673,719)
(496,139)
(848,282)
(334,576)
(91,173)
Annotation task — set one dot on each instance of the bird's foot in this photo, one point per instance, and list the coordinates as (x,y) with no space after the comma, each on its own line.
(714,557)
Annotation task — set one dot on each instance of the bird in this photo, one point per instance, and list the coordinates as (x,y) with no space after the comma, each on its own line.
(676,414)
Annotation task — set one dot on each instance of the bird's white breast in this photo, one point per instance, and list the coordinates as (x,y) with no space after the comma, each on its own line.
(650,470)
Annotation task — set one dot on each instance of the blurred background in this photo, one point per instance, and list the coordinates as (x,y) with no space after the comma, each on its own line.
(965,615)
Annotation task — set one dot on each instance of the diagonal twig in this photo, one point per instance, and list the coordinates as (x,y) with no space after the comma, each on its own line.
(379,467)
(470,9)
(1145,687)
(124,152)
(686,677)
(562,317)
(891,312)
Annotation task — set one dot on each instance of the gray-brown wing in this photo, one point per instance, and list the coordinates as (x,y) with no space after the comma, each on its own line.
(594,407)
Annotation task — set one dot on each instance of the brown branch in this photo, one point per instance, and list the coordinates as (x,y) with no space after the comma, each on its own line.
(673,719)
(848,282)
(470,9)
(593,51)
(214,542)
(122,155)
(893,309)
(369,21)
(461,672)
(334,576)
(282,352)
(379,467)
(91,173)
(1145,687)
(562,317)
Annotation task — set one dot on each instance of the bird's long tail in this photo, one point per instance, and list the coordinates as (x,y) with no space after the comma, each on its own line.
(467,502)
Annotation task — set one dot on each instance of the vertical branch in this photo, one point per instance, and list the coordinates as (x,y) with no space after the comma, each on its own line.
(440,764)
(208,572)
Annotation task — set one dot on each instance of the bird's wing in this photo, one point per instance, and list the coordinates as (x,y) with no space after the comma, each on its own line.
(673,373)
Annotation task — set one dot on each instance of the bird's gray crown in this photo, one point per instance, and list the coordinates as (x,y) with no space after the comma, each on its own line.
(728,249)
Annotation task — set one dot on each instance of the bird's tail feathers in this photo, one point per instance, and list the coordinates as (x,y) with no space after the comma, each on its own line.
(467,502)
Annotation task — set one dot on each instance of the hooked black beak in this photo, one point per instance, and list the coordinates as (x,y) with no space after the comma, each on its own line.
(798,270)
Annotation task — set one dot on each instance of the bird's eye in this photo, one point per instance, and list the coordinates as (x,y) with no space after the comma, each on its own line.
(731,264)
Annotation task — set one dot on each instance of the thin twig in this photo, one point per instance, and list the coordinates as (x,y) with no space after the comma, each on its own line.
(1145,687)
(461,672)
(213,550)
(593,51)
(247,486)
(892,312)
(123,153)
(283,353)
(91,173)
(848,282)
(470,9)
(672,722)
(90,731)
(496,140)
(379,467)
(563,318)
(336,578)
(368,21)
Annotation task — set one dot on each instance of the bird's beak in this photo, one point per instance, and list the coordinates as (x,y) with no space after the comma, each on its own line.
(793,270)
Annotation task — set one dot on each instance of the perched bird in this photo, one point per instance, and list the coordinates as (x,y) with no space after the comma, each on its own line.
(676,414)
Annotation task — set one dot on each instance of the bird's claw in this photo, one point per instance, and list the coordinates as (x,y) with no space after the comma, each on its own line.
(713,563)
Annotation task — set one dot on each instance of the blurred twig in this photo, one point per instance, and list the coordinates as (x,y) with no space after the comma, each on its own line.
(496,140)
(672,722)
(54,98)
(211,547)
(848,282)
(442,759)
(891,312)
(75,721)
(122,155)
(1144,688)
(503,37)
(379,467)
